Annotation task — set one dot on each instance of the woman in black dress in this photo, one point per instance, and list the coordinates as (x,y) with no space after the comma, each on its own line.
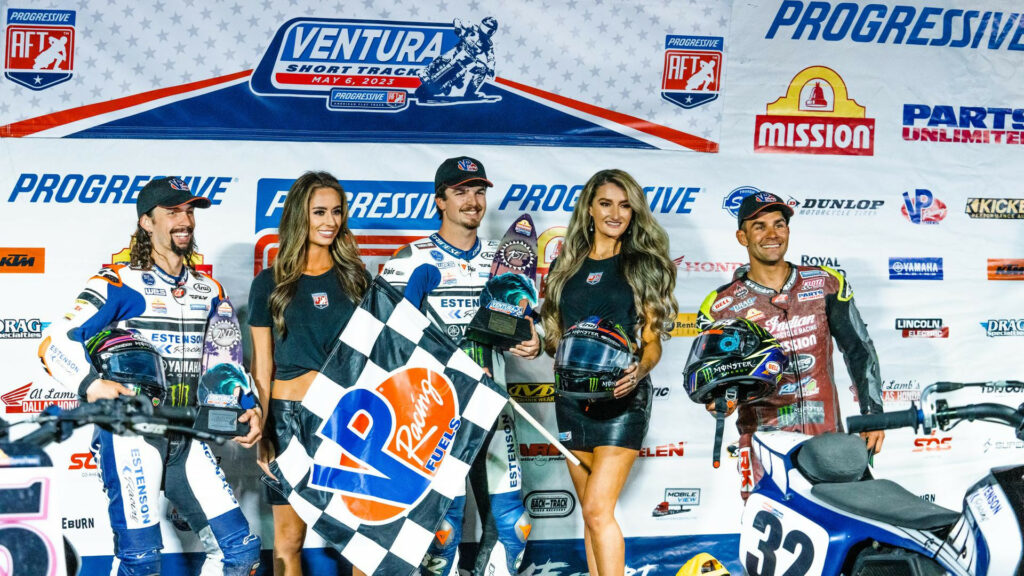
(615,265)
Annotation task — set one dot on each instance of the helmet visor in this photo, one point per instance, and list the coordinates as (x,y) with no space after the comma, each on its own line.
(722,343)
(589,355)
(135,366)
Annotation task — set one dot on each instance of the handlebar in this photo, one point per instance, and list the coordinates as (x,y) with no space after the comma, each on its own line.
(884,421)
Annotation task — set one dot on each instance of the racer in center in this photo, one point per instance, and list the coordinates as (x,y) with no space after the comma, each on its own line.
(166,301)
(804,307)
(443,275)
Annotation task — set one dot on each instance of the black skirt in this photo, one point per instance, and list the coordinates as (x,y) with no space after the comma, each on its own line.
(584,425)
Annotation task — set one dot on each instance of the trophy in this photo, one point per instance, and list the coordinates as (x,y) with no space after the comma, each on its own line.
(225,390)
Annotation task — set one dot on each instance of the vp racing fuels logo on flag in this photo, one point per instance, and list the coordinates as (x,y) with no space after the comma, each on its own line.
(40,47)
(379,66)
(693,70)
(816,116)
(391,440)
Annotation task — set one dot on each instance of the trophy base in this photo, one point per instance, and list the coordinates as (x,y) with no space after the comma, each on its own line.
(497,329)
(221,421)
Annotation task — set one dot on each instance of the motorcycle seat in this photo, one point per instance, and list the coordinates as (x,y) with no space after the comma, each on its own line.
(885,501)
(832,458)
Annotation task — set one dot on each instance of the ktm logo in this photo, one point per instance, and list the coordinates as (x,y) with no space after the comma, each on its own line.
(82,461)
(22,260)
(392,440)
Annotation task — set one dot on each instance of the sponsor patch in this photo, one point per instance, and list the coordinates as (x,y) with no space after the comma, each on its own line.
(40,47)
(692,70)
(812,295)
(320,300)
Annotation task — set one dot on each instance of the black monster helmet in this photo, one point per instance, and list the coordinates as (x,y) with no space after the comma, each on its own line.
(123,356)
(733,354)
(591,357)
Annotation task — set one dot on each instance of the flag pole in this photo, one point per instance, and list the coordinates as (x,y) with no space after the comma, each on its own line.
(543,432)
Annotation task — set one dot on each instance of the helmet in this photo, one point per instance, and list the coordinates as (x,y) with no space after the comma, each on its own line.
(733,354)
(591,357)
(489,25)
(124,356)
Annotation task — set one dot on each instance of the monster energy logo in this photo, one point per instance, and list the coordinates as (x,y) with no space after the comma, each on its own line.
(594,384)
(178,394)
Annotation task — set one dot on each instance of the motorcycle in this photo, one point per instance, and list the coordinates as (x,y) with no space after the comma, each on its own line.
(817,510)
(30,523)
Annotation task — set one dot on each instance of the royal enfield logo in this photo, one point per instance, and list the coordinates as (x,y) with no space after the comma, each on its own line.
(21,328)
(995,208)
(1005,269)
(923,208)
(693,70)
(922,328)
(375,66)
(40,47)
(829,261)
(816,116)
(28,400)
(549,503)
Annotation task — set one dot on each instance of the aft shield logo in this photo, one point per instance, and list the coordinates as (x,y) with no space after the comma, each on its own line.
(816,116)
(693,70)
(40,47)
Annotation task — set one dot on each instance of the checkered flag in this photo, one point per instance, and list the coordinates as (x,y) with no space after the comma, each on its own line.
(389,429)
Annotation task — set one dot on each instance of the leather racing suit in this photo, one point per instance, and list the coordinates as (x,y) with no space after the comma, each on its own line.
(133,468)
(445,283)
(814,306)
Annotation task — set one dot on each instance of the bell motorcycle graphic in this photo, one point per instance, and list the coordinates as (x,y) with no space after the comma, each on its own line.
(379,66)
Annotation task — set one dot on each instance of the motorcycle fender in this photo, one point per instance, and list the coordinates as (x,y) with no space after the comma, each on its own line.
(775,540)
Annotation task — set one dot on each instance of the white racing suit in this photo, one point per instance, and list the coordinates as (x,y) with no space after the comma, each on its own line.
(445,283)
(133,468)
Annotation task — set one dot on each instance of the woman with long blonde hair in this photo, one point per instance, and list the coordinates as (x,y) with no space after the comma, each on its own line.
(615,265)
(297,308)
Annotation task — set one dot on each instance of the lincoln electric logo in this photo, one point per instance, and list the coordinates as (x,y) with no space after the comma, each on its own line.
(40,47)
(374,66)
(693,70)
(816,116)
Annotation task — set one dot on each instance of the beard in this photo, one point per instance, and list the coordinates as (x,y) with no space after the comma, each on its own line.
(187,249)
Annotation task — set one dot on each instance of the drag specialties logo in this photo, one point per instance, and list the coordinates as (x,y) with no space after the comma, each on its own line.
(379,66)
(922,328)
(671,450)
(522,197)
(393,438)
(698,266)
(27,399)
(531,392)
(915,269)
(995,208)
(932,26)
(104,188)
(816,116)
(22,260)
(677,500)
(963,124)
(685,325)
(383,215)
(1004,327)
(1006,268)
(21,328)
(40,47)
(900,392)
(923,207)
(693,69)
(549,503)
(828,261)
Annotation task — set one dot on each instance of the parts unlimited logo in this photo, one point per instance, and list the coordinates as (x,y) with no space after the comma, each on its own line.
(923,207)
(963,124)
(40,47)
(816,116)
(693,70)
(378,66)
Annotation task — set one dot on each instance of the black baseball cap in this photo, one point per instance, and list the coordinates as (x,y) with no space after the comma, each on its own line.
(760,202)
(458,171)
(167,192)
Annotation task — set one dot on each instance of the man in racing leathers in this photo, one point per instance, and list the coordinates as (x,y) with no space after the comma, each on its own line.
(804,307)
(443,275)
(161,296)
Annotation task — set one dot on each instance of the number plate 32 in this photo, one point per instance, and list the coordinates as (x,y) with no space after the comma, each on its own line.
(776,541)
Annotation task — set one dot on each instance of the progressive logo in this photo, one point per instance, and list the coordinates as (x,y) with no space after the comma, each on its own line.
(816,116)
(562,198)
(40,47)
(693,70)
(103,188)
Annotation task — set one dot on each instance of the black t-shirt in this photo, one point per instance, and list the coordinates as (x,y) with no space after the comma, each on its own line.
(316,315)
(599,289)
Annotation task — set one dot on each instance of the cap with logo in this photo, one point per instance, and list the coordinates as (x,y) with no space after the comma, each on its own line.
(761,202)
(458,171)
(167,192)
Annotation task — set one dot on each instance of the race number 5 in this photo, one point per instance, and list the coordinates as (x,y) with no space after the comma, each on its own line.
(28,550)
(774,538)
